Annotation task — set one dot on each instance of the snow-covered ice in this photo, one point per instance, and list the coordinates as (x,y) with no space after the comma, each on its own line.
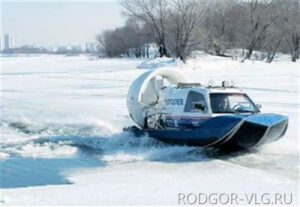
(51,106)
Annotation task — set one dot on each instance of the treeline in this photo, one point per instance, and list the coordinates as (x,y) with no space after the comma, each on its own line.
(214,26)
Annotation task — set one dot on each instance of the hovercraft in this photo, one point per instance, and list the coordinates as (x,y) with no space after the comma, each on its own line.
(165,105)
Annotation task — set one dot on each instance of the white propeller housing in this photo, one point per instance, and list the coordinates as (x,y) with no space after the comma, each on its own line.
(144,91)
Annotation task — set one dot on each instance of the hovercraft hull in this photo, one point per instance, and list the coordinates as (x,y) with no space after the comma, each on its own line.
(226,132)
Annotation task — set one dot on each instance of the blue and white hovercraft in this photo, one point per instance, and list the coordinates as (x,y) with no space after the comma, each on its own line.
(166,106)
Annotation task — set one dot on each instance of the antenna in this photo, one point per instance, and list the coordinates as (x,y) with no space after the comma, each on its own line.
(210,83)
(225,84)
(232,83)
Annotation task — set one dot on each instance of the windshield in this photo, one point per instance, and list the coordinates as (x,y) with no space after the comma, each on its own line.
(232,103)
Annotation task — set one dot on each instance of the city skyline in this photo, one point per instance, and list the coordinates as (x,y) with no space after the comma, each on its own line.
(51,24)
(7,42)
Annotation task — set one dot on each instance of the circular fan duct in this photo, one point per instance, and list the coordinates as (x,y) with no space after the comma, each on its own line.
(143,92)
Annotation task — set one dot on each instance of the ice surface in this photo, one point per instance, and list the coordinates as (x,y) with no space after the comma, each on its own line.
(3,156)
(46,150)
(51,106)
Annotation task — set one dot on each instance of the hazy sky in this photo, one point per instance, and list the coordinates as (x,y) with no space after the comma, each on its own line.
(51,23)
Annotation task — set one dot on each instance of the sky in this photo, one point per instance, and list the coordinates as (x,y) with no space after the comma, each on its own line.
(54,23)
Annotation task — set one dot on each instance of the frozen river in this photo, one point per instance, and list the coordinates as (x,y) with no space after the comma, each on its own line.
(61,134)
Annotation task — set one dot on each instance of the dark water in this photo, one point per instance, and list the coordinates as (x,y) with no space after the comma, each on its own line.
(25,172)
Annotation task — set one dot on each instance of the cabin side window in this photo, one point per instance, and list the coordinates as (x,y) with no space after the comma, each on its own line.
(195,102)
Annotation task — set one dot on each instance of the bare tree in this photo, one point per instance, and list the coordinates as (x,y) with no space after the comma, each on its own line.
(187,16)
(131,40)
(217,26)
(133,37)
(291,27)
(105,42)
(261,17)
(272,44)
(154,14)
(114,42)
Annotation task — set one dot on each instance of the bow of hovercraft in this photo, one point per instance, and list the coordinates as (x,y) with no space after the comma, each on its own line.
(255,130)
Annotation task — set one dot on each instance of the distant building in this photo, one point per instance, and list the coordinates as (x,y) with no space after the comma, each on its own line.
(95,47)
(61,49)
(11,42)
(76,49)
(91,47)
(50,49)
(87,47)
(6,42)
